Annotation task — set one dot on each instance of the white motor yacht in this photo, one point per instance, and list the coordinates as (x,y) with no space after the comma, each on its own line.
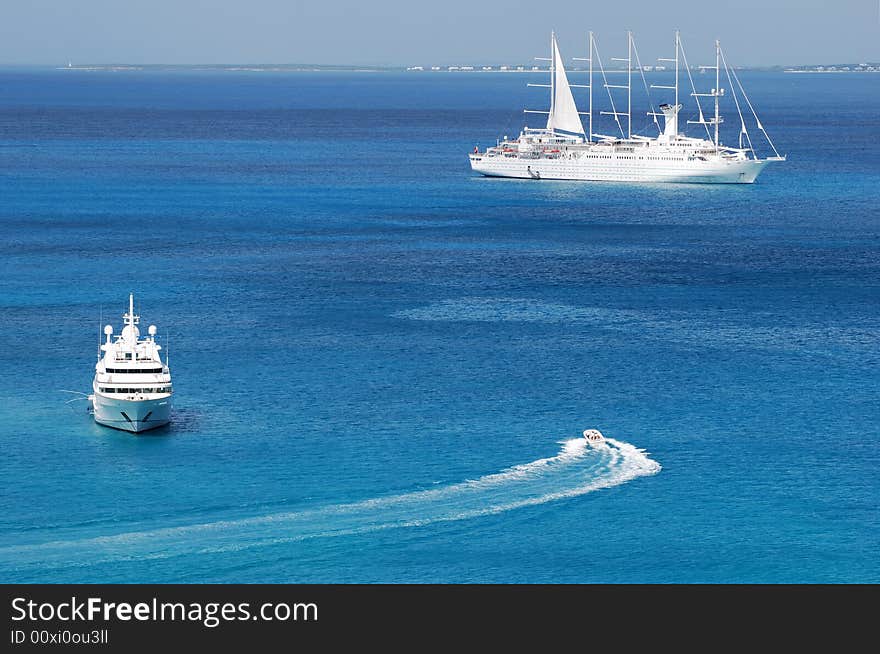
(132,387)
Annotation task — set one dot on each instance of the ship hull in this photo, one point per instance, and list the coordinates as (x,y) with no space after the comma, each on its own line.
(132,415)
(693,172)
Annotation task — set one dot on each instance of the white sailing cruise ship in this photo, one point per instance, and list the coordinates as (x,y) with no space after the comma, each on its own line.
(564,150)
(132,387)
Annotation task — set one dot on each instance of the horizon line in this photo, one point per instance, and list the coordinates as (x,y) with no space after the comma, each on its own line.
(480,67)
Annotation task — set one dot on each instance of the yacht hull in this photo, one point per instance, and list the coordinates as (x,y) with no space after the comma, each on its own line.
(585,169)
(132,415)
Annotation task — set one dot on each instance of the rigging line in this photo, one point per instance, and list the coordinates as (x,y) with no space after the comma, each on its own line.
(605,84)
(645,83)
(742,121)
(694,88)
(757,120)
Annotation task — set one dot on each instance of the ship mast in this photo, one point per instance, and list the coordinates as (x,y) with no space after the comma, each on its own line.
(662,86)
(629,83)
(552,84)
(717,89)
(715,94)
(552,72)
(658,86)
(743,132)
(677,48)
(628,87)
(614,112)
(590,87)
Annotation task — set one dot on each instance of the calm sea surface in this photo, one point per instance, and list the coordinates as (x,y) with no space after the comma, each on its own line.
(382,362)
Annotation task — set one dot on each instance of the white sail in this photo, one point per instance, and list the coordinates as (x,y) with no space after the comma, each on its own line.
(564,115)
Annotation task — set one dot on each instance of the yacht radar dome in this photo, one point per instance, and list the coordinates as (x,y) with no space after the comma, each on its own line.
(108,330)
(151,330)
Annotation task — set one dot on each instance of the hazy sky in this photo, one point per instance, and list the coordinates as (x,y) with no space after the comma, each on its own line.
(398,32)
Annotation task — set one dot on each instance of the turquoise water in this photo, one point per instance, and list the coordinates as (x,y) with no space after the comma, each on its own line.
(382,362)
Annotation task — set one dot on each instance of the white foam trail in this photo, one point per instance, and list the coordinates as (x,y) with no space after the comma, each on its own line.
(577,469)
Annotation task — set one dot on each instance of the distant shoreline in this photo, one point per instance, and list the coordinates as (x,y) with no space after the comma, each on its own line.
(831,71)
(224,69)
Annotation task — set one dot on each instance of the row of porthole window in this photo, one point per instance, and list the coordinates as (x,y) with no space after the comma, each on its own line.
(128,391)
(133,371)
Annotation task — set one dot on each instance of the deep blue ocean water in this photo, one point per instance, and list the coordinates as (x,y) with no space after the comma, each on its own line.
(382,362)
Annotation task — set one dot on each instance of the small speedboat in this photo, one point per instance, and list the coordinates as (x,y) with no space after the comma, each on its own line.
(593,436)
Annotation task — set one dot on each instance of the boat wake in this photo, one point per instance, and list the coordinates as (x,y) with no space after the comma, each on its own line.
(577,469)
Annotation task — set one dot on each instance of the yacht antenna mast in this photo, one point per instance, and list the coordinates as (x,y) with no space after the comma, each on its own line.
(132,322)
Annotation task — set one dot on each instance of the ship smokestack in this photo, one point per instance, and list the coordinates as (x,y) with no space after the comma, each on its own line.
(670,115)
